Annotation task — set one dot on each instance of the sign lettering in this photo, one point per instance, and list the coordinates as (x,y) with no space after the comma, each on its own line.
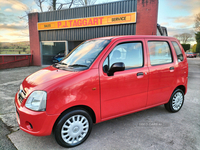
(89,22)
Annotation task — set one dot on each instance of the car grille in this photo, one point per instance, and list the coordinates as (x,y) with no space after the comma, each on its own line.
(21,95)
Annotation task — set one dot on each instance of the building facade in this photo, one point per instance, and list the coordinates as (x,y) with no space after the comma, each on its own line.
(60,31)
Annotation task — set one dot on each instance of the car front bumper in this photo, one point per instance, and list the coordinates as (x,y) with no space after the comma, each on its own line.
(33,122)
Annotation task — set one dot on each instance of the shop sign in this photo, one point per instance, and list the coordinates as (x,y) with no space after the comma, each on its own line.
(89,22)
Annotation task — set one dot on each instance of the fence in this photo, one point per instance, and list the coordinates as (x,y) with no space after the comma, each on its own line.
(14,61)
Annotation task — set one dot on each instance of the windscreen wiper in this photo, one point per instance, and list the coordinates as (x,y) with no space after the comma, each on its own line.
(77,65)
(61,63)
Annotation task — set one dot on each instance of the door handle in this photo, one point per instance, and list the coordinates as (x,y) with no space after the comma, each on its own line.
(171,68)
(140,74)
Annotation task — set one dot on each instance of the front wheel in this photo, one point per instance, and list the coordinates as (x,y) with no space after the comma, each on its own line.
(176,101)
(73,128)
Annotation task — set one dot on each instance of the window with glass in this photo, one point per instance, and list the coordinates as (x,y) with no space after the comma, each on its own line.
(83,56)
(160,52)
(52,49)
(86,53)
(178,51)
(131,54)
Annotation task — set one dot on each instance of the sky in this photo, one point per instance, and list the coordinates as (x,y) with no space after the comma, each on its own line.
(177,15)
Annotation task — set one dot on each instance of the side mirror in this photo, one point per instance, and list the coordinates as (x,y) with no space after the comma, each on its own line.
(119,66)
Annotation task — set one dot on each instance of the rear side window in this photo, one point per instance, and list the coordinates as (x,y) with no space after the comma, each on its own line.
(179,53)
(160,52)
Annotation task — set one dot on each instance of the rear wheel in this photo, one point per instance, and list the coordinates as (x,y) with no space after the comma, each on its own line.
(73,128)
(176,101)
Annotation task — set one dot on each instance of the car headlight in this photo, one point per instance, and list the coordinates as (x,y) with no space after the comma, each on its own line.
(37,101)
(20,87)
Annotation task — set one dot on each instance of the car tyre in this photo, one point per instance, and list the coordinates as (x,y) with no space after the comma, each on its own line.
(176,101)
(73,128)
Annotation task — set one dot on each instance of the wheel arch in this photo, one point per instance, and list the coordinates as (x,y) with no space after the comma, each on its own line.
(83,107)
(182,87)
(169,105)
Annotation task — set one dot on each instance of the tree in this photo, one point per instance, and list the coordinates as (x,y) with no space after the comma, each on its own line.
(62,4)
(194,48)
(39,4)
(184,37)
(5,47)
(24,49)
(177,36)
(51,5)
(197,23)
(197,37)
(54,3)
(197,34)
(86,2)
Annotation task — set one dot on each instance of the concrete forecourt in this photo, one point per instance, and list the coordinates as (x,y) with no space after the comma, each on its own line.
(154,128)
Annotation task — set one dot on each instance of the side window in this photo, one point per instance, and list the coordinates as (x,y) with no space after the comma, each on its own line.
(160,52)
(179,53)
(131,54)
(105,65)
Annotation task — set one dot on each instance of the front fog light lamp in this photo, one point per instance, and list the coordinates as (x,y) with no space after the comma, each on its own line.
(37,101)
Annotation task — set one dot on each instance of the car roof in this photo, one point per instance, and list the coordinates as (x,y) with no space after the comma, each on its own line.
(134,37)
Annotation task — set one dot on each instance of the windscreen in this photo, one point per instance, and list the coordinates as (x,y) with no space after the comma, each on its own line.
(85,54)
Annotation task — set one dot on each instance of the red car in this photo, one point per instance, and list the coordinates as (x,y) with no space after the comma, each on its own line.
(102,79)
(191,55)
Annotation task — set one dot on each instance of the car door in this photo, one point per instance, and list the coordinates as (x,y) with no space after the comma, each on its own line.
(162,71)
(126,90)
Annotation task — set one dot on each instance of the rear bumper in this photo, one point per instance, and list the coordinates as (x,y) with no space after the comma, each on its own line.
(33,122)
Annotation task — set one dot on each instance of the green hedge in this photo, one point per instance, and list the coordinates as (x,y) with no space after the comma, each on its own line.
(197,36)
(186,47)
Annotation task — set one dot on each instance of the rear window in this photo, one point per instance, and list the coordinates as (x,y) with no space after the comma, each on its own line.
(160,52)
(178,51)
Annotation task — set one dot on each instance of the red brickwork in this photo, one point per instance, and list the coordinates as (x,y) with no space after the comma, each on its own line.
(34,39)
(147,13)
(14,61)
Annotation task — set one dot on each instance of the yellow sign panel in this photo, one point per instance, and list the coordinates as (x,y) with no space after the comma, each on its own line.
(89,22)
